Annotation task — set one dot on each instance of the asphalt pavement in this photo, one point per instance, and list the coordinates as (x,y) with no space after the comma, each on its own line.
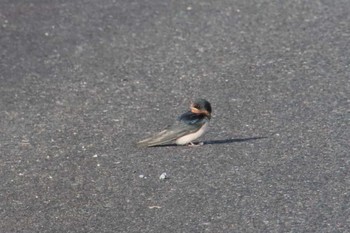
(82,81)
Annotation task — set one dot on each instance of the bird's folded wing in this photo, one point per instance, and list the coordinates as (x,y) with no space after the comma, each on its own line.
(169,135)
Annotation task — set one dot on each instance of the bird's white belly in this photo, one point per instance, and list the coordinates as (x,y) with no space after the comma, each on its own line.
(193,136)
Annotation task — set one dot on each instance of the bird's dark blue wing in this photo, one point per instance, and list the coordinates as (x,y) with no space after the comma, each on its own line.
(172,133)
(192,119)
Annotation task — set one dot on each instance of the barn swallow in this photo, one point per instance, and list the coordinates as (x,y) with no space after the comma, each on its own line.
(188,127)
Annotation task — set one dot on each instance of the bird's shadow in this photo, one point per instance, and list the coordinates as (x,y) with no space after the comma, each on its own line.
(232,140)
(222,141)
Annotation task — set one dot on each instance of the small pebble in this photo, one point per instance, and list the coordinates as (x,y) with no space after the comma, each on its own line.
(163,176)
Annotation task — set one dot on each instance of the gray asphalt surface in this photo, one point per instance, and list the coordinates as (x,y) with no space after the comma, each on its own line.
(81,81)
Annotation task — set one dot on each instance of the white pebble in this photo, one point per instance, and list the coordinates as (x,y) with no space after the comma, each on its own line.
(163,176)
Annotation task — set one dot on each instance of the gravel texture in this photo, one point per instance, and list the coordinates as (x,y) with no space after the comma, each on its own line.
(81,81)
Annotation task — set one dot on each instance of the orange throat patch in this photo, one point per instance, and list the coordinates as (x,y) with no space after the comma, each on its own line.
(197,111)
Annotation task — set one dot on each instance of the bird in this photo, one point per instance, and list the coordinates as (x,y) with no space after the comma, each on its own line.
(188,127)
